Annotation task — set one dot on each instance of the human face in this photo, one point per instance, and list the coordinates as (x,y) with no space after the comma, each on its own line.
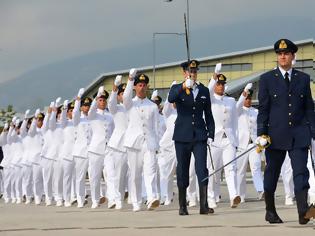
(186,74)
(219,89)
(248,102)
(141,90)
(101,103)
(69,113)
(39,123)
(285,60)
(120,97)
(193,74)
(85,109)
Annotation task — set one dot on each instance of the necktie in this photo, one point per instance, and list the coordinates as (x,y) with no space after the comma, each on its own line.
(286,79)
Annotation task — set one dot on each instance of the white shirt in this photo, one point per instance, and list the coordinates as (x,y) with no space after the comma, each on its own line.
(283,72)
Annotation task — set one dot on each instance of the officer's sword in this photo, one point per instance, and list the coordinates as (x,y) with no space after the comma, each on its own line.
(221,168)
(211,159)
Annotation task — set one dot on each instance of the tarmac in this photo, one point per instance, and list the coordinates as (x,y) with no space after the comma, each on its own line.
(247,219)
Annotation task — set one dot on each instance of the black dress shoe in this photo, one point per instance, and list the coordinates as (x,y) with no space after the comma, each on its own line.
(303,221)
(183,211)
(206,211)
(273,218)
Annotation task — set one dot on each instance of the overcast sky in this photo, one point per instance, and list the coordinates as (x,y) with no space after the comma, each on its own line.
(38,32)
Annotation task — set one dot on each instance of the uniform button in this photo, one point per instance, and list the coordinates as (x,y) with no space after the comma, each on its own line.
(290,104)
(289,113)
(275,95)
(290,123)
(193,115)
(192,123)
(194,108)
(289,94)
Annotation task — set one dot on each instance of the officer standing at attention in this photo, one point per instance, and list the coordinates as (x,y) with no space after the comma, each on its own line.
(286,119)
(194,127)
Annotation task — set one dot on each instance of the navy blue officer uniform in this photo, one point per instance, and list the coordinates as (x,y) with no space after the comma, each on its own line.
(193,126)
(286,115)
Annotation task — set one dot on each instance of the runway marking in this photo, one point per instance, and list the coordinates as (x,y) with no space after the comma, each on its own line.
(202,226)
(113,227)
(156,227)
(253,226)
(22,229)
(66,228)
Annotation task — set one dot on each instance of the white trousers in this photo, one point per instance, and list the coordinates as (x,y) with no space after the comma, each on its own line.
(7,178)
(81,167)
(68,174)
(27,182)
(115,164)
(254,160)
(142,161)
(38,180)
(18,178)
(193,186)
(96,163)
(48,168)
(287,177)
(222,154)
(167,165)
(58,180)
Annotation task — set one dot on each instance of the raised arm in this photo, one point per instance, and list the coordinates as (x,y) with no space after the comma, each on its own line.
(112,102)
(127,97)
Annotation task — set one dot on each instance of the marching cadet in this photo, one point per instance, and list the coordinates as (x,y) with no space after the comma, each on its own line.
(223,148)
(194,127)
(167,158)
(27,170)
(286,121)
(247,134)
(102,126)
(5,163)
(311,169)
(83,135)
(35,148)
(17,155)
(65,154)
(56,124)
(141,140)
(116,160)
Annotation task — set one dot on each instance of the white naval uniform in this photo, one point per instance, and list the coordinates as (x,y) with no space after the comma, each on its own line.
(223,148)
(16,163)
(115,162)
(247,134)
(167,158)
(56,126)
(102,126)
(66,150)
(5,163)
(311,181)
(35,148)
(27,181)
(287,177)
(80,150)
(141,141)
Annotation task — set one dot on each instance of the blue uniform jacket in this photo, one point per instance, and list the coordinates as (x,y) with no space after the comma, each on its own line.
(286,114)
(194,117)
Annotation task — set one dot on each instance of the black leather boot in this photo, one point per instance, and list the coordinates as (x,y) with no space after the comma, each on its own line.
(182,201)
(271,214)
(305,212)
(204,208)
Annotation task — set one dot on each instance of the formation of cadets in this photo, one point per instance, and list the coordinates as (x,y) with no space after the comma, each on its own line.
(128,142)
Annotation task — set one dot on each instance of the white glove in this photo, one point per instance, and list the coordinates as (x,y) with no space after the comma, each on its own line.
(14,119)
(132,73)
(80,93)
(248,87)
(6,126)
(189,83)
(65,104)
(261,141)
(218,68)
(17,122)
(209,141)
(27,112)
(117,81)
(52,105)
(57,103)
(37,112)
(173,83)
(154,94)
(100,91)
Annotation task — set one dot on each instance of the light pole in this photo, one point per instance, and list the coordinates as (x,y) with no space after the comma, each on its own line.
(188,24)
(153,48)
